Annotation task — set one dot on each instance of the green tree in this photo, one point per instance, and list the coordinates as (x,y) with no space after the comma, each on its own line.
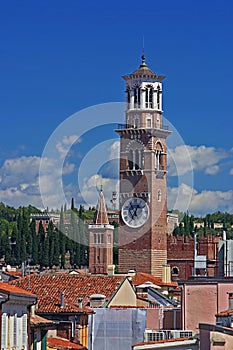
(51,238)
(62,239)
(35,242)
(41,238)
(56,255)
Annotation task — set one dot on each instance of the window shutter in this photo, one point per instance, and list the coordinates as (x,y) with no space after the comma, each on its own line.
(4,331)
(15,330)
(24,331)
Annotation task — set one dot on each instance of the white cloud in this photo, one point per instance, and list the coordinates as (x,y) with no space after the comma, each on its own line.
(91,186)
(202,202)
(20,179)
(115,150)
(212,170)
(66,143)
(202,159)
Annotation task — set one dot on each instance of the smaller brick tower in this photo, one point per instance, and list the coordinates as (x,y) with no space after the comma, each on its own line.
(100,239)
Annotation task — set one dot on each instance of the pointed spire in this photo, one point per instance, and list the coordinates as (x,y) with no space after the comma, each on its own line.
(101,216)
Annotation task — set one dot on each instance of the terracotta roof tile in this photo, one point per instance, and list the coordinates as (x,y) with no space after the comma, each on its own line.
(49,288)
(9,288)
(63,344)
(38,320)
(161,341)
(141,278)
(225,313)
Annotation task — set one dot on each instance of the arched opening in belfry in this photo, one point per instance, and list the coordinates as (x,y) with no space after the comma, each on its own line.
(136,156)
(158,96)
(128,96)
(137,97)
(159,157)
(149,96)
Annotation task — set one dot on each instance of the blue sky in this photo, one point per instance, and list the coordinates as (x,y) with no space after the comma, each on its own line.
(59,57)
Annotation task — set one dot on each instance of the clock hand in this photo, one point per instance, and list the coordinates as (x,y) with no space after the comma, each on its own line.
(135,212)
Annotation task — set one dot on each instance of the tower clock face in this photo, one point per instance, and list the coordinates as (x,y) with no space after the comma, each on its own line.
(135,212)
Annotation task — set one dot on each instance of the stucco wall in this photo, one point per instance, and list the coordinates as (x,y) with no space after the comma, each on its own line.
(202,301)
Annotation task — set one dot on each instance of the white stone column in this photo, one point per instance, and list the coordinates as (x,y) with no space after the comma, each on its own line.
(143,97)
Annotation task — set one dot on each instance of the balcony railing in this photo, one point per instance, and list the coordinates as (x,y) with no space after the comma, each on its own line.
(129,126)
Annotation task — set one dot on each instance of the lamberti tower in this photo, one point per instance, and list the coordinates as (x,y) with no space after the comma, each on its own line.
(143,167)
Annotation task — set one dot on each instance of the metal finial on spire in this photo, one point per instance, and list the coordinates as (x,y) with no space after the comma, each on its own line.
(143,64)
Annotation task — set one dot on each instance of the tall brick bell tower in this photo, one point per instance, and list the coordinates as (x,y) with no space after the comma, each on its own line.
(143,165)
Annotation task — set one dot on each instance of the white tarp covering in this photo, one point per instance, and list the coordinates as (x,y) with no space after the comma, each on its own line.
(116,329)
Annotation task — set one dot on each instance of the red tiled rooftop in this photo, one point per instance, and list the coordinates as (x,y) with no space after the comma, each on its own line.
(161,341)
(8,288)
(38,320)
(51,304)
(142,277)
(49,288)
(63,344)
(225,313)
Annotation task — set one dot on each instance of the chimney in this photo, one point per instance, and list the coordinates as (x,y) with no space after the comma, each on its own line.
(62,300)
(166,274)
(33,307)
(97,300)
(80,303)
(224,235)
(131,273)
(111,270)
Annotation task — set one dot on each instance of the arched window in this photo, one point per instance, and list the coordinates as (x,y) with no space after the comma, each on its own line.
(149,96)
(137,164)
(136,121)
(149,122)
(128,94)
(175,270)
(159,195)
(127,122)
(158,160)
(136,159)
(158,157)
(130,160)
(137,97)
(158,96)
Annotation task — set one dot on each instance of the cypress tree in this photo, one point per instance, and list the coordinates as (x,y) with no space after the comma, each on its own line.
(35,243)
(62,238)
(56,254)
(45,255)
(6,246)
(51,237)
(41,238)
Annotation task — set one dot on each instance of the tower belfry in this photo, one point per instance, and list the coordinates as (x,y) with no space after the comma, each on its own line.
(143,166)
(100,239)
